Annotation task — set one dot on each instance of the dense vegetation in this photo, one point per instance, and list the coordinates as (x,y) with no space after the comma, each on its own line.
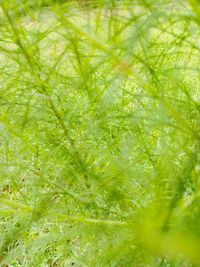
(100,133)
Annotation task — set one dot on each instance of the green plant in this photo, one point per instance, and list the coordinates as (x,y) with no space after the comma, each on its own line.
(99,133)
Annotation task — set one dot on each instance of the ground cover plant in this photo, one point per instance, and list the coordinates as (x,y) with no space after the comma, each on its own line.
(100,133)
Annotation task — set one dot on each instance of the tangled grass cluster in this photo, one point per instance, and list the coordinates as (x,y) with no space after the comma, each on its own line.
(100,133)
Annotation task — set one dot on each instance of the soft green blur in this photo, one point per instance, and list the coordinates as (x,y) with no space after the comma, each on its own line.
(100,133)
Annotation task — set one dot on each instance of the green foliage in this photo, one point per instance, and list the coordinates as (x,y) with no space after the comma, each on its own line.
(99,133)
